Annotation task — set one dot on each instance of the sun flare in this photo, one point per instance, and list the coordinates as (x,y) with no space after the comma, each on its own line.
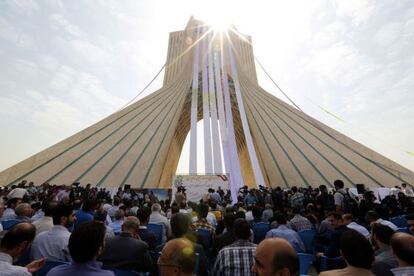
(218,16)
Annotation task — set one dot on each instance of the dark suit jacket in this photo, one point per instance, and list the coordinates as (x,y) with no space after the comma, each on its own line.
(148,237)
(335,244)
(125,252)
(222,241)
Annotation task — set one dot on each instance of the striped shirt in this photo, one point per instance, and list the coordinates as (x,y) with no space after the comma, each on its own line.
(235,259)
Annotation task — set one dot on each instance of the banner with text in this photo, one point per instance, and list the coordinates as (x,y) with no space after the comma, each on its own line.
(197,185)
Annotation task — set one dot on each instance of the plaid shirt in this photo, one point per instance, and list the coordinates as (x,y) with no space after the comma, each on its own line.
(297,200)
(204,224)
(299,223)
(235,259)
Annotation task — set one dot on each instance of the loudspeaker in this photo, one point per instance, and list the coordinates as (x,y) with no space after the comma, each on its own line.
(360,188)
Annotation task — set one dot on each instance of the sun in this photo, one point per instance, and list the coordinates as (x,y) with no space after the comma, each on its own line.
(219,24)
(216,15)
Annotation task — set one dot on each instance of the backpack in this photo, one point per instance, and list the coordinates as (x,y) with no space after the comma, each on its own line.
(329,202)
(350,205)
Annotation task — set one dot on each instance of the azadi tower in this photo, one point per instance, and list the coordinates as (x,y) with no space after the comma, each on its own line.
(260,139)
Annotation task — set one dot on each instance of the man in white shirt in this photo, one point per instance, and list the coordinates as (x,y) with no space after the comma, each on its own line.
(12,246)
(46,222)
(63,194)
(17,193)
(407,190)
(157,218)
(348,221)
(394,191)
(53,244)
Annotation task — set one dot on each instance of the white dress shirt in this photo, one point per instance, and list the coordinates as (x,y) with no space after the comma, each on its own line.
(359,228)
(17,193)
(44,224)
(8,269)
(157,218)
(52,244)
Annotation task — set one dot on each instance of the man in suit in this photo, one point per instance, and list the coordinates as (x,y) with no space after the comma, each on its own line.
(127,251)
(149,237)
(227,237)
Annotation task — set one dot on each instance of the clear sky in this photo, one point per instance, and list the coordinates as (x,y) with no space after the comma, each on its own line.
(67,64)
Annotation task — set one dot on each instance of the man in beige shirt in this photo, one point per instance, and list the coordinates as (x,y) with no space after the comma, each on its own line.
(358,255)
(46,223)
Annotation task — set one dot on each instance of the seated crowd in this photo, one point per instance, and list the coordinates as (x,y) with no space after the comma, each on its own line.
(73,230)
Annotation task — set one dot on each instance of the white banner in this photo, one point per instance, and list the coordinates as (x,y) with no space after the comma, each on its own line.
(197,185)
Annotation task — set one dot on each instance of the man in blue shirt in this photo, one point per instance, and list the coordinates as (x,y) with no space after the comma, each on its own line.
(119,218)
(250,199)
(215,196)
(53,243)
(85,244)
(282,231)
(86,213)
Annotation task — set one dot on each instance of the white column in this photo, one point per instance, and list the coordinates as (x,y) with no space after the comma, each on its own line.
(236,179)
(218,168)
(246,130)
(221,112)
(194,105)
(206,109)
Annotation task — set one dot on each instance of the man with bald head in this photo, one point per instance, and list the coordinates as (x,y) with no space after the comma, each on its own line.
(402,245)
(275,256)
(177,258)
(23,212)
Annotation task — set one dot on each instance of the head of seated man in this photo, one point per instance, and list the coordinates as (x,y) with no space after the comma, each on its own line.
(23,211)
(86,242)
(275,256)
(356,250)
(131,227)
(402,245)
(180,224)
(177,258)
(410,221)
(17,239)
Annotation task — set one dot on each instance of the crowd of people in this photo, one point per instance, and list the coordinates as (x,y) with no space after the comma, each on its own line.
(88,231)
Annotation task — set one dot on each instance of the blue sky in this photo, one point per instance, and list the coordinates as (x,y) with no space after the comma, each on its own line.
(67,64)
